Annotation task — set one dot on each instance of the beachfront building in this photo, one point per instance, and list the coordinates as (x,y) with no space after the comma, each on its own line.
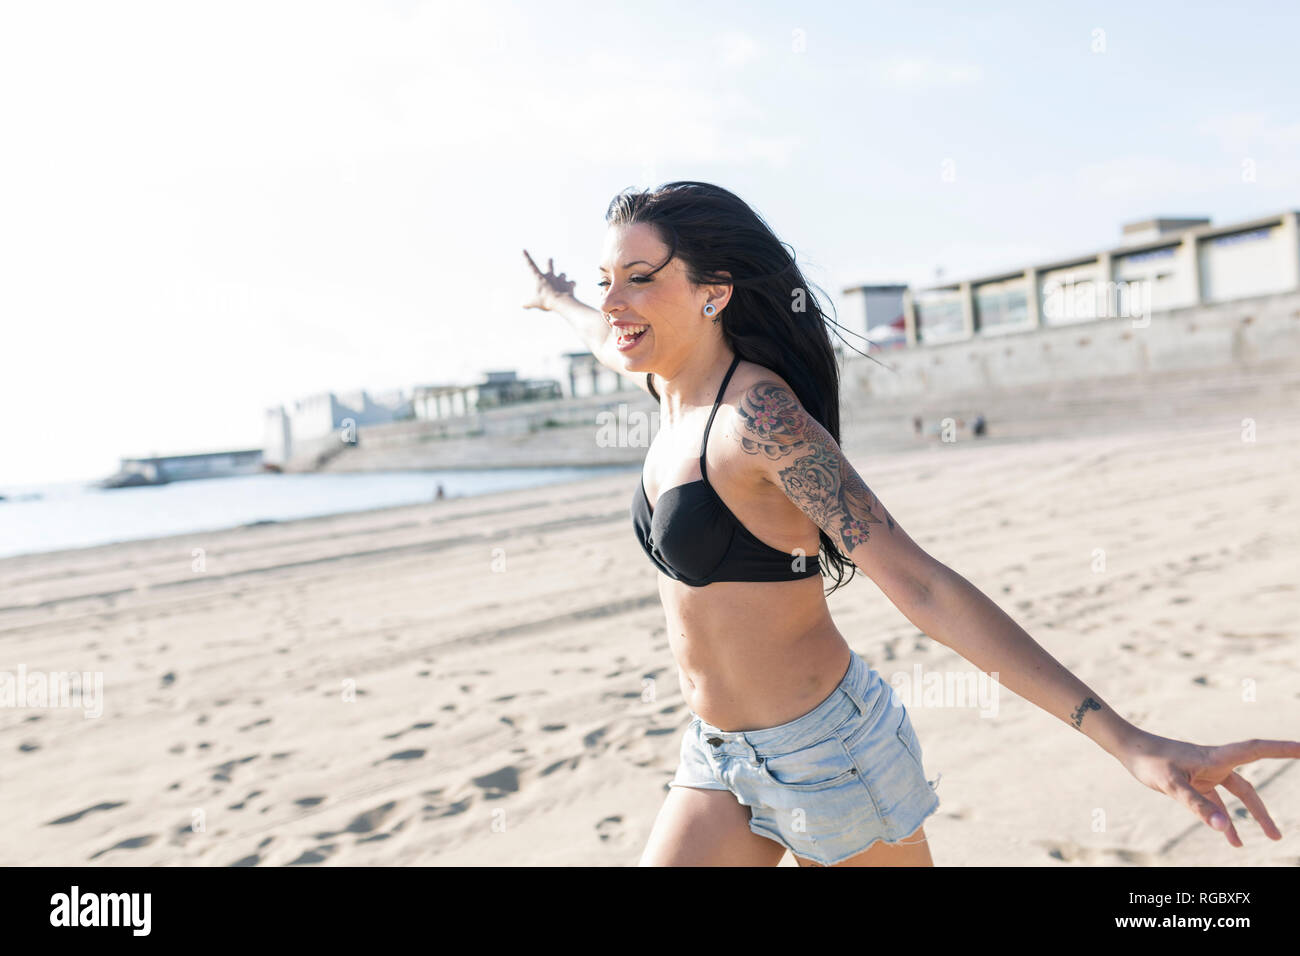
(161,469)
(318,416)
(588,377)
(883,308)
(499,389)
(1160,264)
(506,388)
(444,401)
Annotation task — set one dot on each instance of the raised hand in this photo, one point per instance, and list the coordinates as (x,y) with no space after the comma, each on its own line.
(549,286)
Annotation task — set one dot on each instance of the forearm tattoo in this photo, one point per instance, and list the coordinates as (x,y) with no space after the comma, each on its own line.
(1087,705)
(818,478)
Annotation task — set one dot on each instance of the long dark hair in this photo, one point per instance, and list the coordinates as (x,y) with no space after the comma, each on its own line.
(773,317)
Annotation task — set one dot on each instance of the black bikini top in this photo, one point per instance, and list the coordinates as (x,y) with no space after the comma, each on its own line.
(693,537)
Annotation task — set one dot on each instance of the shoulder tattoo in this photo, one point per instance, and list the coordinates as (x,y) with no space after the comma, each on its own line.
(773,419)
(818,479)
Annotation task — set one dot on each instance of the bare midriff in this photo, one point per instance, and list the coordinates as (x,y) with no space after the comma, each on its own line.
(753,655)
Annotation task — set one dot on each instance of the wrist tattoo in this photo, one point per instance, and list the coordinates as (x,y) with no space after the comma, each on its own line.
(1087,705)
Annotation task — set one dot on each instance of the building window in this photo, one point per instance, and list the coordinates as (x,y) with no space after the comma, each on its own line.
(1166,253)
(1001,305)
(939,315)
(1234,238)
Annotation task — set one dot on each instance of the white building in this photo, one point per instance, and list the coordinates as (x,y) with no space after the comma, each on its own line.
(498,389)
(319,415)
(883,308)
(444,401)
(1164,263)
(586,376)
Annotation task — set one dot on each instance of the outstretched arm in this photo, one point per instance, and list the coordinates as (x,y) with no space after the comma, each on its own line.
(806,463)
(801,458)
(555,294)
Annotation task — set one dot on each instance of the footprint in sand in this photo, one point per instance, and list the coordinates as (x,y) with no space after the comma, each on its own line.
(366,822)
(1068,852)
(570,762)
(620,694)
(182,831)
(550,727)
(134,843)
(449,810)
(499,783)
(318,855)
(74,817)
(242,803)
(421,726)
(610,830)
(224,770)
(405,755)
(309,801)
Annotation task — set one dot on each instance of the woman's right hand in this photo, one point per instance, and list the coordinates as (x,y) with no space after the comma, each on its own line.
(549,286)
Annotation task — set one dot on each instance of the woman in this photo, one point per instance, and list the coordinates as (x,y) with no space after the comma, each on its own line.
(745,503)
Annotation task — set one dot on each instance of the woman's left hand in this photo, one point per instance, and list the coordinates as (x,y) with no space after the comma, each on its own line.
(1189,773)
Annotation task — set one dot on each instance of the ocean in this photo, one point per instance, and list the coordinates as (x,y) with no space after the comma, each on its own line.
(77,515)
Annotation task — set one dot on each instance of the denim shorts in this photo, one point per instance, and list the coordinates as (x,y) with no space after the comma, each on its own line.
(826,785)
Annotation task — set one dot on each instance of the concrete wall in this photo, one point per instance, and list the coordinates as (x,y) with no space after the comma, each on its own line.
(600,429)
(1200,337)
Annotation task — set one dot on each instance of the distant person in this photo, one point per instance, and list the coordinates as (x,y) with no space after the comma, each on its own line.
(701,304)
(977,426)
(916,424)
(440,493)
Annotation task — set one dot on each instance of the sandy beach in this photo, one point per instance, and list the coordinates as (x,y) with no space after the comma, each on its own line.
(486,681)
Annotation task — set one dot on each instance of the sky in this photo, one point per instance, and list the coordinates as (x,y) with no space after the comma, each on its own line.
(210,209)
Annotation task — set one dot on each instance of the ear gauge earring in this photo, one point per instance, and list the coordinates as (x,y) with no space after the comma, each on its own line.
(710,308)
